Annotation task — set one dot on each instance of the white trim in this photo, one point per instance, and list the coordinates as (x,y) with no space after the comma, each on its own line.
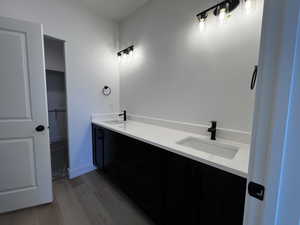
(76,172)
(288,198)
(66,73)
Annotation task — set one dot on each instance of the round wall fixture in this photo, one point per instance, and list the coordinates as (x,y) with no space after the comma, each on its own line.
(106,91)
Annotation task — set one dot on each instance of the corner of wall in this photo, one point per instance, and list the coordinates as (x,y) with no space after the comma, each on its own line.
(76,172)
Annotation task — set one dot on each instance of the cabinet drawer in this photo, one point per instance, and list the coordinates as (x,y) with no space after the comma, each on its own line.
(169,188)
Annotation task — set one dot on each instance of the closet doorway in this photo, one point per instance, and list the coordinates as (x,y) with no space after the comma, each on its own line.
(57,105)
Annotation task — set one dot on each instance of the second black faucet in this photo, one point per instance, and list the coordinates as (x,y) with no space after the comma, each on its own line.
(124,115)
(213,130)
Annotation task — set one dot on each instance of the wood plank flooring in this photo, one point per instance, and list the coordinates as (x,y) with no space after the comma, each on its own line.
(88,200)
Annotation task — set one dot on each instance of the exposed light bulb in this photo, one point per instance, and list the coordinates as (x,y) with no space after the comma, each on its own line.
(130,54)
(202,24)
(222,15)
(202,18)
(248,5)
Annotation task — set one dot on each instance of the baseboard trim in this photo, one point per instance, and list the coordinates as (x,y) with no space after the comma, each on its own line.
(76,172)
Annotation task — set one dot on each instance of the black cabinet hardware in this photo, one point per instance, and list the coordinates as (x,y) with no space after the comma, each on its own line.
(256,190)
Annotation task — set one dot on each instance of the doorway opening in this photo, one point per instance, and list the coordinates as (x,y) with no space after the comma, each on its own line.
(57,105)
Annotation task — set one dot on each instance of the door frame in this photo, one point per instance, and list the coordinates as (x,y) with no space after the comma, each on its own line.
(277,69)
(66,88)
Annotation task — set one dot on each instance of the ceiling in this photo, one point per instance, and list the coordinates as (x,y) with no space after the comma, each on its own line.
(114,9)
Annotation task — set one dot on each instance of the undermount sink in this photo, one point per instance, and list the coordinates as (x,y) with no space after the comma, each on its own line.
(114,122)
(214,148)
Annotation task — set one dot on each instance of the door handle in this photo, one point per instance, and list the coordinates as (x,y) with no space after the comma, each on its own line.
(40,128)
(254,76)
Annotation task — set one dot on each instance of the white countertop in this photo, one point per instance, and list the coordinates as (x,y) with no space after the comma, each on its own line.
(167,138)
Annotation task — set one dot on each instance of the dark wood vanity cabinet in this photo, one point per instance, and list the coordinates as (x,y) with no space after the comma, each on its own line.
(170,188)
(135,168)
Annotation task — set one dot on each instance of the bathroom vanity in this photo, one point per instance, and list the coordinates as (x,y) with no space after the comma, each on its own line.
(172,183)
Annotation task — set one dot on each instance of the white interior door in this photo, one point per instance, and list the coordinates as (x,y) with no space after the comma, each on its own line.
(25,171)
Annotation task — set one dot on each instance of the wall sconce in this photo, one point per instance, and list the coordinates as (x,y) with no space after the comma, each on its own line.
(126,51)
(221,9)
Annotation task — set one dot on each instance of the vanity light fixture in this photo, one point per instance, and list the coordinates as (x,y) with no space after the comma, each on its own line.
(126,51)
(222,12)
(221,9)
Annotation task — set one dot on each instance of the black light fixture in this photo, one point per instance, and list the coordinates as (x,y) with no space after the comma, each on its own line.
(202,17)
(219,9)
(126,51)
(248,4)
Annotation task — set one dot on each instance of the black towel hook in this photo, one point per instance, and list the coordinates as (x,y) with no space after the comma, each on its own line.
(254,76)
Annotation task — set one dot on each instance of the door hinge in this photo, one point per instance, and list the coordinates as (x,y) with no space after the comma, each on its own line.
(256,190)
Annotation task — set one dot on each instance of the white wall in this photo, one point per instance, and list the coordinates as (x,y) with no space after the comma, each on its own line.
(91,43)
(181,73)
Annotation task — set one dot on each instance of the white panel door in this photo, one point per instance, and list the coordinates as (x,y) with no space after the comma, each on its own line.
(25,171)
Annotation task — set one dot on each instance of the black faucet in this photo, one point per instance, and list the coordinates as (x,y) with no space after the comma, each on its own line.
(124,115)
(213,130)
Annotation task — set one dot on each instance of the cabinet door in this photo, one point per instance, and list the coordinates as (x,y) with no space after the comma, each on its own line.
(136,168)
(97,133)
(223,195)
(182,191)
(170,188)
(112,157)
(197,194)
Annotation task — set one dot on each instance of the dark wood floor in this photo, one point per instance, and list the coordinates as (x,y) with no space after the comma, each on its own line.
(87,200)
